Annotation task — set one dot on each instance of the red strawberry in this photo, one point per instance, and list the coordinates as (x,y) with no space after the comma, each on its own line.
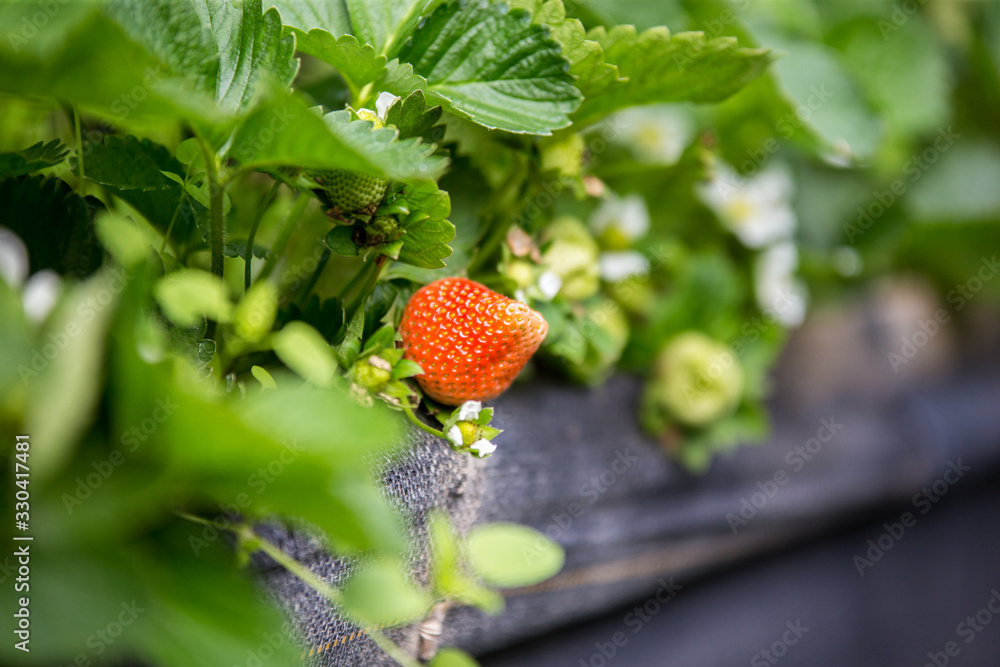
(470,341)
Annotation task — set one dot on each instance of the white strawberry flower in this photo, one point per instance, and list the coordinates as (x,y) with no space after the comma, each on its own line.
(549,284)
(777,288)
(483,448)
(13,258)
(628,216)
(655,134)
(757,210)
(41,291)
(619,265)
(384,102)
(469,411)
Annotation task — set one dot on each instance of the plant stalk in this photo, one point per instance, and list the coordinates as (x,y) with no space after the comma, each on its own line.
(306,575)
(248,259)
(217,230)
(301,201)
(421,425)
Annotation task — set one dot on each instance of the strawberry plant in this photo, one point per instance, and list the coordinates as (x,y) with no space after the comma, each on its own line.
(246,245)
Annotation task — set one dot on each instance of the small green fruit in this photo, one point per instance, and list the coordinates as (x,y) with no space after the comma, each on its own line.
(350,191)
(470,432)
(370,376)
(382,229)
(698,380)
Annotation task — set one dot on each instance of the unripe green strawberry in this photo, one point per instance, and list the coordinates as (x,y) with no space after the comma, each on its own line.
(469,431)
(382,229)
(698,380)
(371,374)
(350,191)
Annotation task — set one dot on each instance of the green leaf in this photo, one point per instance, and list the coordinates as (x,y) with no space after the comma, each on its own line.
(380,595)
(81,56)
(262,376)
(54,223)
(132,169)
(412,118)
(426,242)
(284,132)
(453,657)
(358,63)
(232,50)
(382,22)
(907,76)
(202,60)
(658,67)
(238,248)
(255,313)
(190,294)
(382,338)
(447,573)
(586,57)
(348,349)
(328,15)
(340,240)
(493,66)
(511,555)
(303,349)
(838,113)
(70,385)
(427,230)
(35,157)
(406,368)
(122,238)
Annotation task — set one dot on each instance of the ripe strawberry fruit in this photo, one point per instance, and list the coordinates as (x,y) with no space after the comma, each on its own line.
(470,341)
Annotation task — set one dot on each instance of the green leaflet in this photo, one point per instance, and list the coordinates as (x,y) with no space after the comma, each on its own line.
(412,118)
(491,65)
(228,49)
(586,57)
(284,132)
(132,169)
(427,230)
(34,157)
(304,15)
(54,222)
(202,60)
(358,63)
(658,67)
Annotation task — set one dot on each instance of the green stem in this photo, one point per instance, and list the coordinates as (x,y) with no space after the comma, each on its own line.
(301,202)
(173,218)
(498,228)
(419,424)
(309,578)
(79,150)
(353,283)
(170,227)
(253,232)
(315,275)
(216,231)
(331,594)
(371,273)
